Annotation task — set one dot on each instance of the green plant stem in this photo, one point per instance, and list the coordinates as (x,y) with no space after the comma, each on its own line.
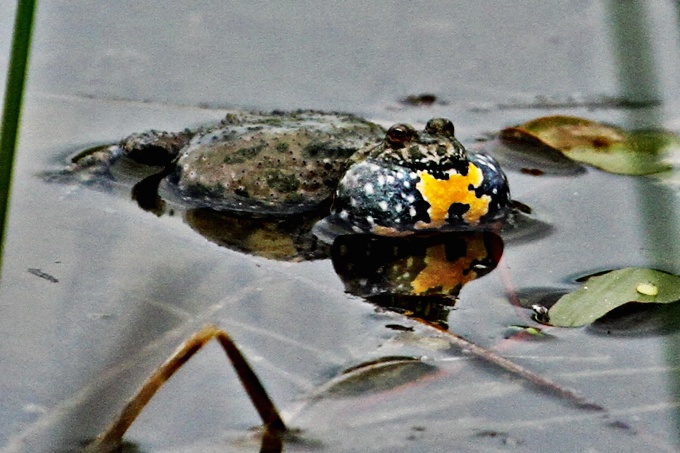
(16,76)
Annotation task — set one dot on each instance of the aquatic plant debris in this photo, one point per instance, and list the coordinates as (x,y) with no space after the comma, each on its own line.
(609,148)
(526,331)
(44,275)
(600,295)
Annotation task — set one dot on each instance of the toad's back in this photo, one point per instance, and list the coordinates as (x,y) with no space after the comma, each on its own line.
(271,163)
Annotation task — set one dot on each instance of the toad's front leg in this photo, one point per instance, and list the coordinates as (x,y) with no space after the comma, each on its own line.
(152,147)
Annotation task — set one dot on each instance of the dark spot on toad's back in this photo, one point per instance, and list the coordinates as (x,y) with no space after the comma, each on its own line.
(325,151)
(242,155)
(281,182)
(414,152)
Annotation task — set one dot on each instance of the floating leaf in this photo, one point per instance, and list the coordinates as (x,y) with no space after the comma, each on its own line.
(609,148)
(600,295)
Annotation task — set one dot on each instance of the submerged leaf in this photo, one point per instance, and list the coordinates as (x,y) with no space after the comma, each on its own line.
(609,148)
(600,295)
(376,376)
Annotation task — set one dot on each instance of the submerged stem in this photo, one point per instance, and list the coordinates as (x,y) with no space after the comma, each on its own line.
(508,365)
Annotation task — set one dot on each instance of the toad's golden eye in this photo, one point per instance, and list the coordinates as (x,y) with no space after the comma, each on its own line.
(399,134)
(440,126)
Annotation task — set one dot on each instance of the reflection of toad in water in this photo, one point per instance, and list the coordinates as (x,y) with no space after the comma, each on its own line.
(421,275)
(287,238)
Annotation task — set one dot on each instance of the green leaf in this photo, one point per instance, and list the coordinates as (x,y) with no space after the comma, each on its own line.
(599,295)
(11,111)
(609,148)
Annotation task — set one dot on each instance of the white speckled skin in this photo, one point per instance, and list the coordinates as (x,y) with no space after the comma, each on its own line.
(422,181)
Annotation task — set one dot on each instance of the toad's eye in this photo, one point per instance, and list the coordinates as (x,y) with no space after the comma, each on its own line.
(440,126)
(399,134)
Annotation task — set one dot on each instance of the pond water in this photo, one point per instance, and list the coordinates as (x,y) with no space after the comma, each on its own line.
(127,286)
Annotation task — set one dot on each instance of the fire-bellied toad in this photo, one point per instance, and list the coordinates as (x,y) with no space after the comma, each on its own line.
(281,163)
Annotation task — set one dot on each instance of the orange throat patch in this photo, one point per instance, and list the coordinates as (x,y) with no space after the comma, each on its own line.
(442,193)
(447,277)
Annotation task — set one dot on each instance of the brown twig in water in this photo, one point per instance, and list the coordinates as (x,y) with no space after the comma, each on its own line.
(273,424)
(510,366)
